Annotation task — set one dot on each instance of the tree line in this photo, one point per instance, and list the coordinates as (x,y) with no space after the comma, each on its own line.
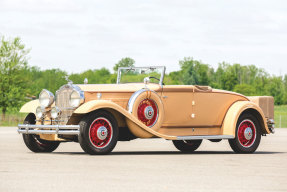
(20,82)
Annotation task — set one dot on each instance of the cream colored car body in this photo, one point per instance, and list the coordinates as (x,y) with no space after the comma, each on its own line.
(184,111)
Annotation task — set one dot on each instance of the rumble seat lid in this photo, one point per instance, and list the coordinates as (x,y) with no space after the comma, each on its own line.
(186,88)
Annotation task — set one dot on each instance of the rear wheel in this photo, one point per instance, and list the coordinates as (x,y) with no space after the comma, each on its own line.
(34,143)
(187,146)
(98,133)
(247,134)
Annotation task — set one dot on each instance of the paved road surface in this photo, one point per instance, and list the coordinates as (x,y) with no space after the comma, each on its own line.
(143,165)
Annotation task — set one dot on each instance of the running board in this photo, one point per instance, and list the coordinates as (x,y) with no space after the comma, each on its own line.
(198,137)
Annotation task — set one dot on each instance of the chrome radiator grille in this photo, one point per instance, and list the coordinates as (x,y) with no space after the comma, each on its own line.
(62,102)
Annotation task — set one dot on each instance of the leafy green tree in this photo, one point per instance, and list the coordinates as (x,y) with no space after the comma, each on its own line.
(260,83)
(194,72)
(227,75)
(124,62)
(244,89)
(97,76)
(217,77)
(285,90)
(13,59)
(189,73)
(174,78)
(275,88)
(229,81)
(52,79)
(18,80)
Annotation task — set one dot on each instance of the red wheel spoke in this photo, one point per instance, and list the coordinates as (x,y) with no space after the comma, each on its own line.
(147,112)
(246,133)
(100,132)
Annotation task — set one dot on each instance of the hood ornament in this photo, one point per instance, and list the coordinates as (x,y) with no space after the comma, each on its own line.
(67,79)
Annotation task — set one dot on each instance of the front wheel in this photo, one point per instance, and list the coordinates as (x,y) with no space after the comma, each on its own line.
(37,145)
(34,143)
(98,133)
(187,146)
(247,135)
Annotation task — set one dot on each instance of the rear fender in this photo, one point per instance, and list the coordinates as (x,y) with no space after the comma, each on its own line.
(234,112)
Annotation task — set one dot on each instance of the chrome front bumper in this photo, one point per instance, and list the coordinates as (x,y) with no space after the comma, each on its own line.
(271,125)
(49,129)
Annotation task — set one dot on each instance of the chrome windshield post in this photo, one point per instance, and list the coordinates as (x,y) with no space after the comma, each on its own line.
(162,76)
(119,75)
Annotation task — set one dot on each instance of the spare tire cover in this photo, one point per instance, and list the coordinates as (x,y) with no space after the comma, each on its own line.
(147,106)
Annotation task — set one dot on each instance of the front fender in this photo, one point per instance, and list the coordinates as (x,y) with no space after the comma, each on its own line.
(233,113)
(105,104)
(30,107)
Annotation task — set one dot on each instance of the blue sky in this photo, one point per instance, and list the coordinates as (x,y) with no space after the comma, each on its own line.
(78,35)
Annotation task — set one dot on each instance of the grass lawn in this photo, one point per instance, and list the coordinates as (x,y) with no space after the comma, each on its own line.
(280,111)
(13,119)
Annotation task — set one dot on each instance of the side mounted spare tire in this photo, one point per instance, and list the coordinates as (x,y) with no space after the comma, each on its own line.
(147,106)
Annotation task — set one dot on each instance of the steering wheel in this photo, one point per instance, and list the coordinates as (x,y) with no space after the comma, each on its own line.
(155,78)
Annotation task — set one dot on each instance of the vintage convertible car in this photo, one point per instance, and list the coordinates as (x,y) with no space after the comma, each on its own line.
(99,115)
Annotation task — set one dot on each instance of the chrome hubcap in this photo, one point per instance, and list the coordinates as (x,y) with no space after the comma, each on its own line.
(149,112)
(102,133)
(248,133)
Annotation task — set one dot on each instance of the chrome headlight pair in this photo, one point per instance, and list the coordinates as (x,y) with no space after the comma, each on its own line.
(76,98)
(46,98)
(41,111)
(55,112)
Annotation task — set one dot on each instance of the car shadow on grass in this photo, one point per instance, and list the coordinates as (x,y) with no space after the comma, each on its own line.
(170,153)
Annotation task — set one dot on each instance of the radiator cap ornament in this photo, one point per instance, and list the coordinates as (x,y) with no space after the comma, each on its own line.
(67,79)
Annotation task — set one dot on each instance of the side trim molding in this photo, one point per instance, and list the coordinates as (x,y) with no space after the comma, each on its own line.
(198,137)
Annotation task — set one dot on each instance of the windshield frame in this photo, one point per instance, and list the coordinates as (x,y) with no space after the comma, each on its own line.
(160,68)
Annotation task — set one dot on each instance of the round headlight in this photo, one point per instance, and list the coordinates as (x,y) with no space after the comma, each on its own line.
(55,112)
(76,98)
(40,112)
(46,98)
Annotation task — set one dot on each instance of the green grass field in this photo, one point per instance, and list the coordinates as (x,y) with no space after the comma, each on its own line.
(12,119)
(280,113)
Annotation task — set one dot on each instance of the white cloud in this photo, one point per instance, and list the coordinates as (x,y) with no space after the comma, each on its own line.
(80,35)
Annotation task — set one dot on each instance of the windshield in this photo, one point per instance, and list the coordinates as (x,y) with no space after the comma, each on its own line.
(137,74)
